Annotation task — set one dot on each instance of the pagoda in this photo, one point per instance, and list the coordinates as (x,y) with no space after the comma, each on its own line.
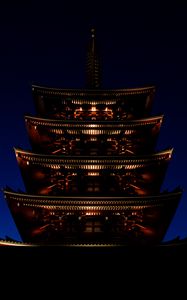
(93,176)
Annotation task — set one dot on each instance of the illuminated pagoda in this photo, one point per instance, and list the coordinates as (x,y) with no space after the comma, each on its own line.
(93,176)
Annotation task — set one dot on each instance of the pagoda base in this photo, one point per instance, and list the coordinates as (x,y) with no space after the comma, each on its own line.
(95,257)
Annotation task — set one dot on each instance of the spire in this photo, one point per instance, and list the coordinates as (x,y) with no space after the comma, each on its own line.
(93,65)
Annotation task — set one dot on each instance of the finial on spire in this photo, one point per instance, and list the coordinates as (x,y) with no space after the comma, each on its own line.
(93,65)
(93,32)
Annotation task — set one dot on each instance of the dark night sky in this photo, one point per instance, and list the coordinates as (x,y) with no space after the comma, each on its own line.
(140,43)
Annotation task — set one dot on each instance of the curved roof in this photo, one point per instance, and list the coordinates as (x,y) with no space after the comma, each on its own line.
(87,160)
(177,244)
(37,121)
(89,203)
(12,243)
(43,90)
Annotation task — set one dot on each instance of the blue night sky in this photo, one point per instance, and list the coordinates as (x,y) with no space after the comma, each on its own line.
(140,44)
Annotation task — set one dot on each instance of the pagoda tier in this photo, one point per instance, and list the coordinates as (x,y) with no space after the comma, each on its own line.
(64,175)
(95,104)
(48,219)
(50,136)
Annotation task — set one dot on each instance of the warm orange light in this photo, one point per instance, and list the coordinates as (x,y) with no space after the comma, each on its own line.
(93,173)
(55,166)
(39,175)
(57,150)
(91,213)
(39,230)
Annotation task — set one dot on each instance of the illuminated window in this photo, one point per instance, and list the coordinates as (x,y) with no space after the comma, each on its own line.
(92,226)
(93,173)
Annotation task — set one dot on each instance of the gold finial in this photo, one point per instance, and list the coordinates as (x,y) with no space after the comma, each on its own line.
(93,66)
